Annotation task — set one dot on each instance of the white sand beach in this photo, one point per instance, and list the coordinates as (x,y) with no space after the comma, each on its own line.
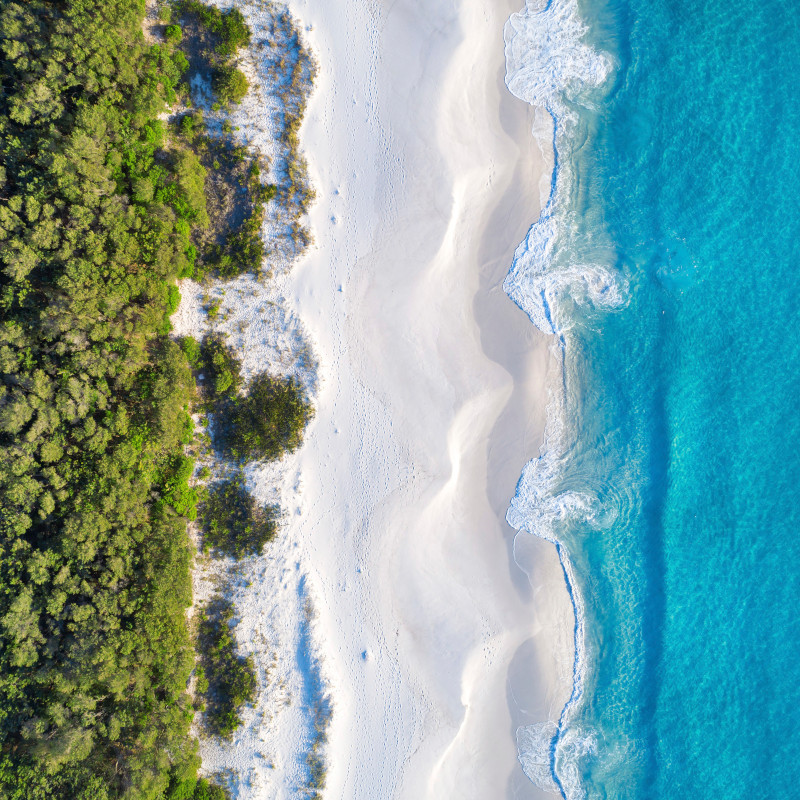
(431,641)
(432,400)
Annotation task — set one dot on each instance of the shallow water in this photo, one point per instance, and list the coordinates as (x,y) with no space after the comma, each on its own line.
(670,474)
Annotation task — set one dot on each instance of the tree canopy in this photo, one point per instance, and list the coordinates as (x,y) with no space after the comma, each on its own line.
(98,201)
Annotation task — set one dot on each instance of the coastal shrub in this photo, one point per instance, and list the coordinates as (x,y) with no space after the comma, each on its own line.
(230,27)
(201,682)
(187,195)
(191,349)
(173,299)
(196,789)
(213,308)
(231,677)
(221,368)
(173,34)
(268,422)
(231,243)
(233,522)
(241,249)
(178,493)
(209,791)
(230,84)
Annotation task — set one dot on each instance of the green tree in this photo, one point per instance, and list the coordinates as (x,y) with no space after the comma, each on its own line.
(230,84)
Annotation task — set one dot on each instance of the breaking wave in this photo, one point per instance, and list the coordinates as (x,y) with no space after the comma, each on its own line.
(550,66)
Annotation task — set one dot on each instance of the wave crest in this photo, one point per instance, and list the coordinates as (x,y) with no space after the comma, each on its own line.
(550,296)
(549,65)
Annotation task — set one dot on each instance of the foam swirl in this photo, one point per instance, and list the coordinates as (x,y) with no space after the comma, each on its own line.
(549,65)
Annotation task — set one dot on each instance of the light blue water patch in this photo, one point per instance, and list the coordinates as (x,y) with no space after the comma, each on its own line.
(672,475)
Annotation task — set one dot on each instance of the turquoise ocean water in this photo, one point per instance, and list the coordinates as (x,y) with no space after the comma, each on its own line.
(667,268)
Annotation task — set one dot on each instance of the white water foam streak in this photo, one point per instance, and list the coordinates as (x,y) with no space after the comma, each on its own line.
(549,65)
(550,752)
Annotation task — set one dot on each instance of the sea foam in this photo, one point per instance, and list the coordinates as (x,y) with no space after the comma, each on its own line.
(549,65)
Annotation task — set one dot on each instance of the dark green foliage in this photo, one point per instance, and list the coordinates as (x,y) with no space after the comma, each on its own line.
(98,204)
(229,26)
(231,678)
(177,491)
(233,522)
(221,368)
(268,422)
(173,34)
(191,349)
(230,84)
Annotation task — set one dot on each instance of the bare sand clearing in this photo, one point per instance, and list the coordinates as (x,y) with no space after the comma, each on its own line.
(430,395)
(433,390)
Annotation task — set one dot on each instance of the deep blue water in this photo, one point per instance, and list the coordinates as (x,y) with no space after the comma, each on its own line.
(684,403)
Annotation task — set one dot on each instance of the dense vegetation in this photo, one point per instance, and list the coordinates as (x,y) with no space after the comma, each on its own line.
(229,678)
(267,422)
(233,522)
(98,205)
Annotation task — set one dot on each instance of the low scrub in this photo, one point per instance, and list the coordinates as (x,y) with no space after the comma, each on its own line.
(267,423)
(230,84)
(231,677)
(233,522)
(221,368)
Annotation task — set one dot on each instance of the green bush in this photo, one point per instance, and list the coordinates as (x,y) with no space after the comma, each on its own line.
(208,791)
(195,789)
(233,522)
(191,349)
(268,422)
(173,34)
(173,299)
(231,678)
(178,493)
(229,26)
(242,249)
(221,368)
(230,84)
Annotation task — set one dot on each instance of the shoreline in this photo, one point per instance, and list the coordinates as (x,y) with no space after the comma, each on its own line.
(512,340)
(432,401)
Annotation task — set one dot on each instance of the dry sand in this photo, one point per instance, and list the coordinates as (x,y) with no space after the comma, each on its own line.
(436,644)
